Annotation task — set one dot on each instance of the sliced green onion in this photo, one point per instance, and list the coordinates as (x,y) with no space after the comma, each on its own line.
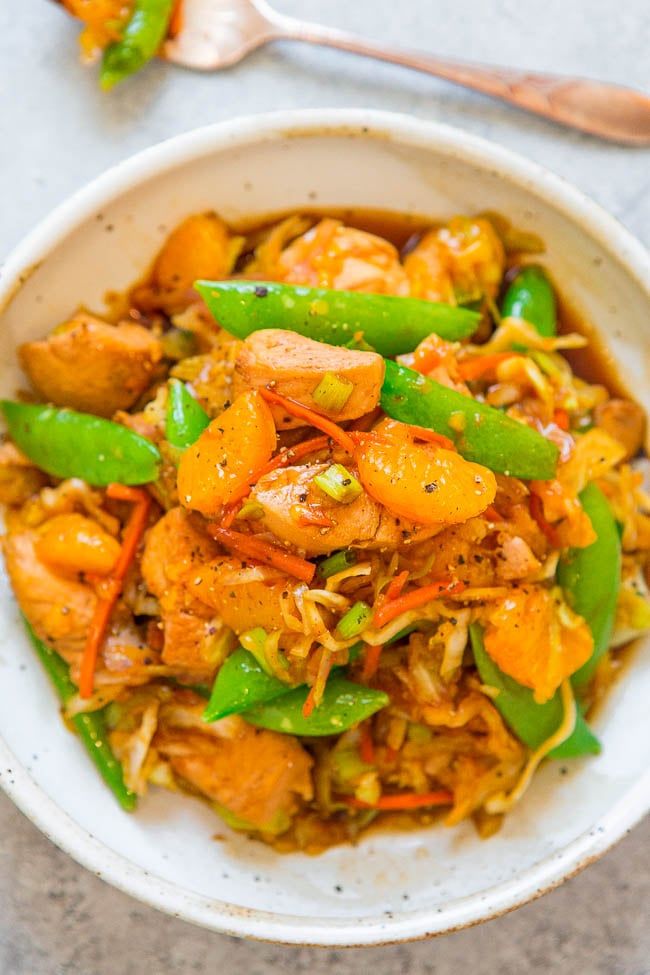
(338,483)
(332,392)
(251,511)
(338,562)
(355,620)
(255,642)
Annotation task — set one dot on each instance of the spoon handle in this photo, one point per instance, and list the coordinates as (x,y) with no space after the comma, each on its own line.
(609,111)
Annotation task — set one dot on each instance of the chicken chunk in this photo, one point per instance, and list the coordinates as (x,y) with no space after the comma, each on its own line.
(459,262)
(296,365)
(92,366)
(174,553)
(363,523)
(428,271)
(58,606)
(257,776)
(331,255)
(200,591)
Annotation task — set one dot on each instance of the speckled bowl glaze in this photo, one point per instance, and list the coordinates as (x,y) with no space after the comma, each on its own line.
(390,887)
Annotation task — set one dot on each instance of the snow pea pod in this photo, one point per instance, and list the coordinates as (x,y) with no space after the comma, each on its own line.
(91,727)
(531,296)
(480,433)
(591,578)
(186,419)
(343,704)
(143,34)
(242,683)
(391,325)
(532,723)
(65,443)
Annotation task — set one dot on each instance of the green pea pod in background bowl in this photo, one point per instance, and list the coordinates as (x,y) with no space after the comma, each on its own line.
(591,578)
(531,722)
(530,296)
(90,726)
(391,325)
(65,444)
(141,38)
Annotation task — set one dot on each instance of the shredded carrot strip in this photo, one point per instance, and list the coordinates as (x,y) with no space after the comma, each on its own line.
(419,433)
(315,695)
(113,585)
(371,662)
(288,454)
(417,597)
(308,515)
(314,419)
(366,745)
(407,800)
(122,492)
(537,513)
(561,419)
(430,436)
(396,585)
(492,514)
(229,515)
(265,552)
(282,459)
(393,590)
(477,367)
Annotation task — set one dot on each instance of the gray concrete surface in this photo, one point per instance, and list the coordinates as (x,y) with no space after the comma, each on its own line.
(56,132)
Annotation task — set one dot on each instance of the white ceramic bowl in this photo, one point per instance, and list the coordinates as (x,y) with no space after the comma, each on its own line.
(394,886)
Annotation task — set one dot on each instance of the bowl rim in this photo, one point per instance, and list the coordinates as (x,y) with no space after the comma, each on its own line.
(16,781)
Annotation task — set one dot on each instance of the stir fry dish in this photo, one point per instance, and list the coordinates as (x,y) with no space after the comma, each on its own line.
(323,528)
(124,34)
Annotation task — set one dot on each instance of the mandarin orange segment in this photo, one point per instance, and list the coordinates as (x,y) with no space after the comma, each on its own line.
(76,543)
(422,482)
(227,454)
(535,638)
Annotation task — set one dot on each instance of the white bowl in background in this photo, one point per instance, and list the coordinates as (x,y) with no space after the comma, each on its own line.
(391,887)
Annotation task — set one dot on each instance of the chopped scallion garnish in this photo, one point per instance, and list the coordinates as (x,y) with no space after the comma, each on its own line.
(338,483)
(355,620)
(337,563)
(332,392)
(251,511)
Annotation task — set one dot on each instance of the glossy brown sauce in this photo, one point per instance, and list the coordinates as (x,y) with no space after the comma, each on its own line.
(594,363)
(395,227)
